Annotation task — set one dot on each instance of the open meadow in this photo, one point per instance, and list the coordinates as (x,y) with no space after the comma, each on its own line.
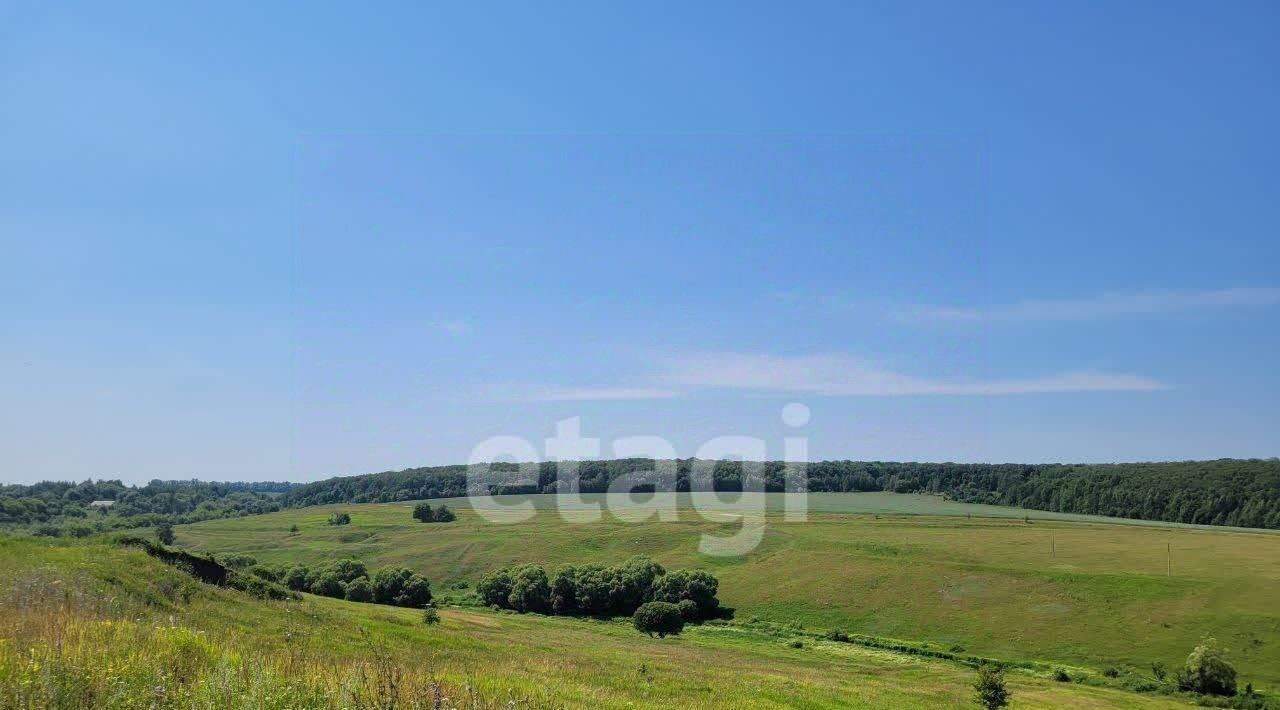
(91,625)
(1084,595)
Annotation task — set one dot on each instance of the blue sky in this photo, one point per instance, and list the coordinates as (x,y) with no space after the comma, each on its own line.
(288,242)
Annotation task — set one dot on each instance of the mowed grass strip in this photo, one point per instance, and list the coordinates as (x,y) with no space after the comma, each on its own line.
(1084,593)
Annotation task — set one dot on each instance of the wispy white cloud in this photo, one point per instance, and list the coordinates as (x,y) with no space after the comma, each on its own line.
(579,394)
(824,375)
(1108,305)
(842,375)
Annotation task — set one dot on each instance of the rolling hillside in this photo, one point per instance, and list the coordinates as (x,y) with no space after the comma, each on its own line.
(1084,593)
(90,625)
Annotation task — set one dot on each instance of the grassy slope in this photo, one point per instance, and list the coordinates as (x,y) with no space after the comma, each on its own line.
(89,625)
(990,585)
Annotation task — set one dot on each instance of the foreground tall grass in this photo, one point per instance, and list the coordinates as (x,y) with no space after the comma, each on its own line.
(80,641)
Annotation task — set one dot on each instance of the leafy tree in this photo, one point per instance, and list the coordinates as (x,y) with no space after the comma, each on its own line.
(328,584)
(1208,671)
(399,586)
(164,533)
(416,592)
(989,686)
(347,570)
(359,590)
(296,578)
(530,590)
(564,598)
(593,587)
(430,616)
(688,610)
(340,519)
(388,582)
(424,513)
(495,587)
(635,579)
(695,585)
(659,618)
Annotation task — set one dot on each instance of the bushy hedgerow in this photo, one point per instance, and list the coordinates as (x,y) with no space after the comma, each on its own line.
(359,590)
(350,579)
(596,590)
(692,584)
(209,570)
(258,587)
(423,512)
(236,560)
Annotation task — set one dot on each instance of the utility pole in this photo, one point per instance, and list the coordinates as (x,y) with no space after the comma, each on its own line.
(1053,546)
(1168,550)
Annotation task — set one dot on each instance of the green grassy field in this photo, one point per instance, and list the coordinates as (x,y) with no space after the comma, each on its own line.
(88,625)
(1087,594)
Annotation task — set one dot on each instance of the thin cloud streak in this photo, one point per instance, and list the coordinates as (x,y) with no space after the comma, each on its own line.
(841,376)
(825,375)
(1110,305)
(581,394)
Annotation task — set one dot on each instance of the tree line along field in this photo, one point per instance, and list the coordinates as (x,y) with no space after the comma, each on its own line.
(1231,492)
(87,624)
(1088,594)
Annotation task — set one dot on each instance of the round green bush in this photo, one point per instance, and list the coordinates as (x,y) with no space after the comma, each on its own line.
(659,618)
(1208,671)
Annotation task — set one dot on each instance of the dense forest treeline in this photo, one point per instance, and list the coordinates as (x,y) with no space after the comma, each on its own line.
(1240,492)
(67,506)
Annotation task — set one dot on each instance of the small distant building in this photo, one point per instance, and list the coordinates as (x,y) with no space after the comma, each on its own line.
(102,504)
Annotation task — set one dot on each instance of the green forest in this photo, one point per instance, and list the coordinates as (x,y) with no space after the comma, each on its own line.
(174,502)
(1237,492)
(1234,492)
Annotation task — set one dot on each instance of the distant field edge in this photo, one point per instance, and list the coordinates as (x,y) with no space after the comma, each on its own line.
(853,503)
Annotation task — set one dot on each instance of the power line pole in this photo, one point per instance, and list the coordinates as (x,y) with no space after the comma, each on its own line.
(1168,550)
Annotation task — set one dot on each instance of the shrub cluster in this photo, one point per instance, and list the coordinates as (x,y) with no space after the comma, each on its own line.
(596,590)
(990,689)
(340,519)
(1207,671)
(659,618)
(350,579)
(423,512)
